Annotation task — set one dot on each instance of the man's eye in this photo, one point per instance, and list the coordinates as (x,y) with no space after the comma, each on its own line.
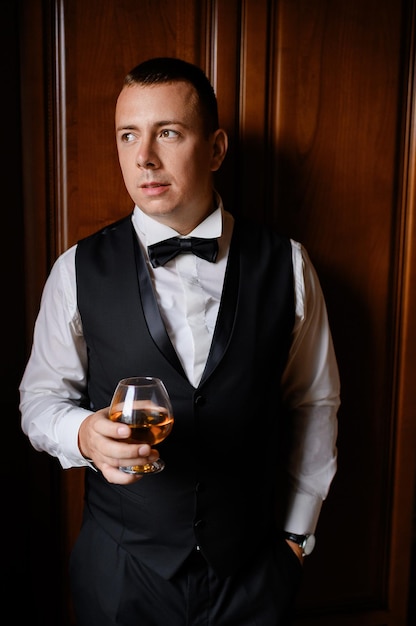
(126,137)
(168,134)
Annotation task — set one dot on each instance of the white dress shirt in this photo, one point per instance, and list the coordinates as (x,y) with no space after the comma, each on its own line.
(188,291)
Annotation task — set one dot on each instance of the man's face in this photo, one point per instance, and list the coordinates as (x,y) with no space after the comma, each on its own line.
(165,156)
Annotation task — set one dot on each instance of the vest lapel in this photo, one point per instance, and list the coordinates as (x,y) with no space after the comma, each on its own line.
(228,308)
(151,312)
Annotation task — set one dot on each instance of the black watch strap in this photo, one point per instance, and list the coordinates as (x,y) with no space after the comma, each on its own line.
(306,542)
(299,539)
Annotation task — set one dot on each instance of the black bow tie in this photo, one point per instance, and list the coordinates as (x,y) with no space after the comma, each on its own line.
(162,252)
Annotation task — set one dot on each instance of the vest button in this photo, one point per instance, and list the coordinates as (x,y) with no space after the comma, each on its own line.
(199,524)
(200,401)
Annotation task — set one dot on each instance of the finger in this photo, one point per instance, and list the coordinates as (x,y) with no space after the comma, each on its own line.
(135,456)
(117,477)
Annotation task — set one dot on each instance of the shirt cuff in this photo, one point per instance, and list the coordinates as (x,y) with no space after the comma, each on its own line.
(302,515)
(70,455)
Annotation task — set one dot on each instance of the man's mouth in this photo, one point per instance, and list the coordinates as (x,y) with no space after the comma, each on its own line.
(154,188)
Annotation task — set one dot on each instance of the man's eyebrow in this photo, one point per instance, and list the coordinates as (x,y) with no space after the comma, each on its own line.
(165,122)
(173,122)
(155,125)
(126,127)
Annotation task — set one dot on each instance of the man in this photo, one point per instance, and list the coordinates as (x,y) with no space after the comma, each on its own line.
(242,342)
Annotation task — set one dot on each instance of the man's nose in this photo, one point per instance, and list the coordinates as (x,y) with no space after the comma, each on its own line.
(146,156)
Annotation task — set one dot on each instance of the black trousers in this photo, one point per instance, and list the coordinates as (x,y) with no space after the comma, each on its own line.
(111,588)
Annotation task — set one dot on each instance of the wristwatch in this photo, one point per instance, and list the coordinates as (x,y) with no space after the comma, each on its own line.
(306,542)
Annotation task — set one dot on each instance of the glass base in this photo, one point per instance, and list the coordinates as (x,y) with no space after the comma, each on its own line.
(149,468)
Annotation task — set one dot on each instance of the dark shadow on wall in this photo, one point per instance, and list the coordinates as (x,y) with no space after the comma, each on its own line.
(30,565)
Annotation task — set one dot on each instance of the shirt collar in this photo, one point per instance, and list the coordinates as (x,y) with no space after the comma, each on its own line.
(153,231)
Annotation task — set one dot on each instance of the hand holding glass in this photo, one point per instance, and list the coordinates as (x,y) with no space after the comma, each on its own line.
(143,403)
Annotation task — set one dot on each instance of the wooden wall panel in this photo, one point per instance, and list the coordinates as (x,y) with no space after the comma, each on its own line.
(403,512)
(336,134)
(318,99)
(224,70)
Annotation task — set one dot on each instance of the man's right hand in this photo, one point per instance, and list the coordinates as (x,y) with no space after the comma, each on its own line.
(101,441)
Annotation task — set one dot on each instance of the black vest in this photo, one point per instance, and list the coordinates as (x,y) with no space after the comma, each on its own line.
(213,492)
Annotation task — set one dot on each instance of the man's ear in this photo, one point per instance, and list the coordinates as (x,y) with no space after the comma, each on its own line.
(220,146)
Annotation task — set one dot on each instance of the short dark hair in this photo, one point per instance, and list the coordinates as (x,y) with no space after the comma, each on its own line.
(170,69)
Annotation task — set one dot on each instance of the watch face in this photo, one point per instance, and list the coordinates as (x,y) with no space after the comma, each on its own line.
(308,545)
